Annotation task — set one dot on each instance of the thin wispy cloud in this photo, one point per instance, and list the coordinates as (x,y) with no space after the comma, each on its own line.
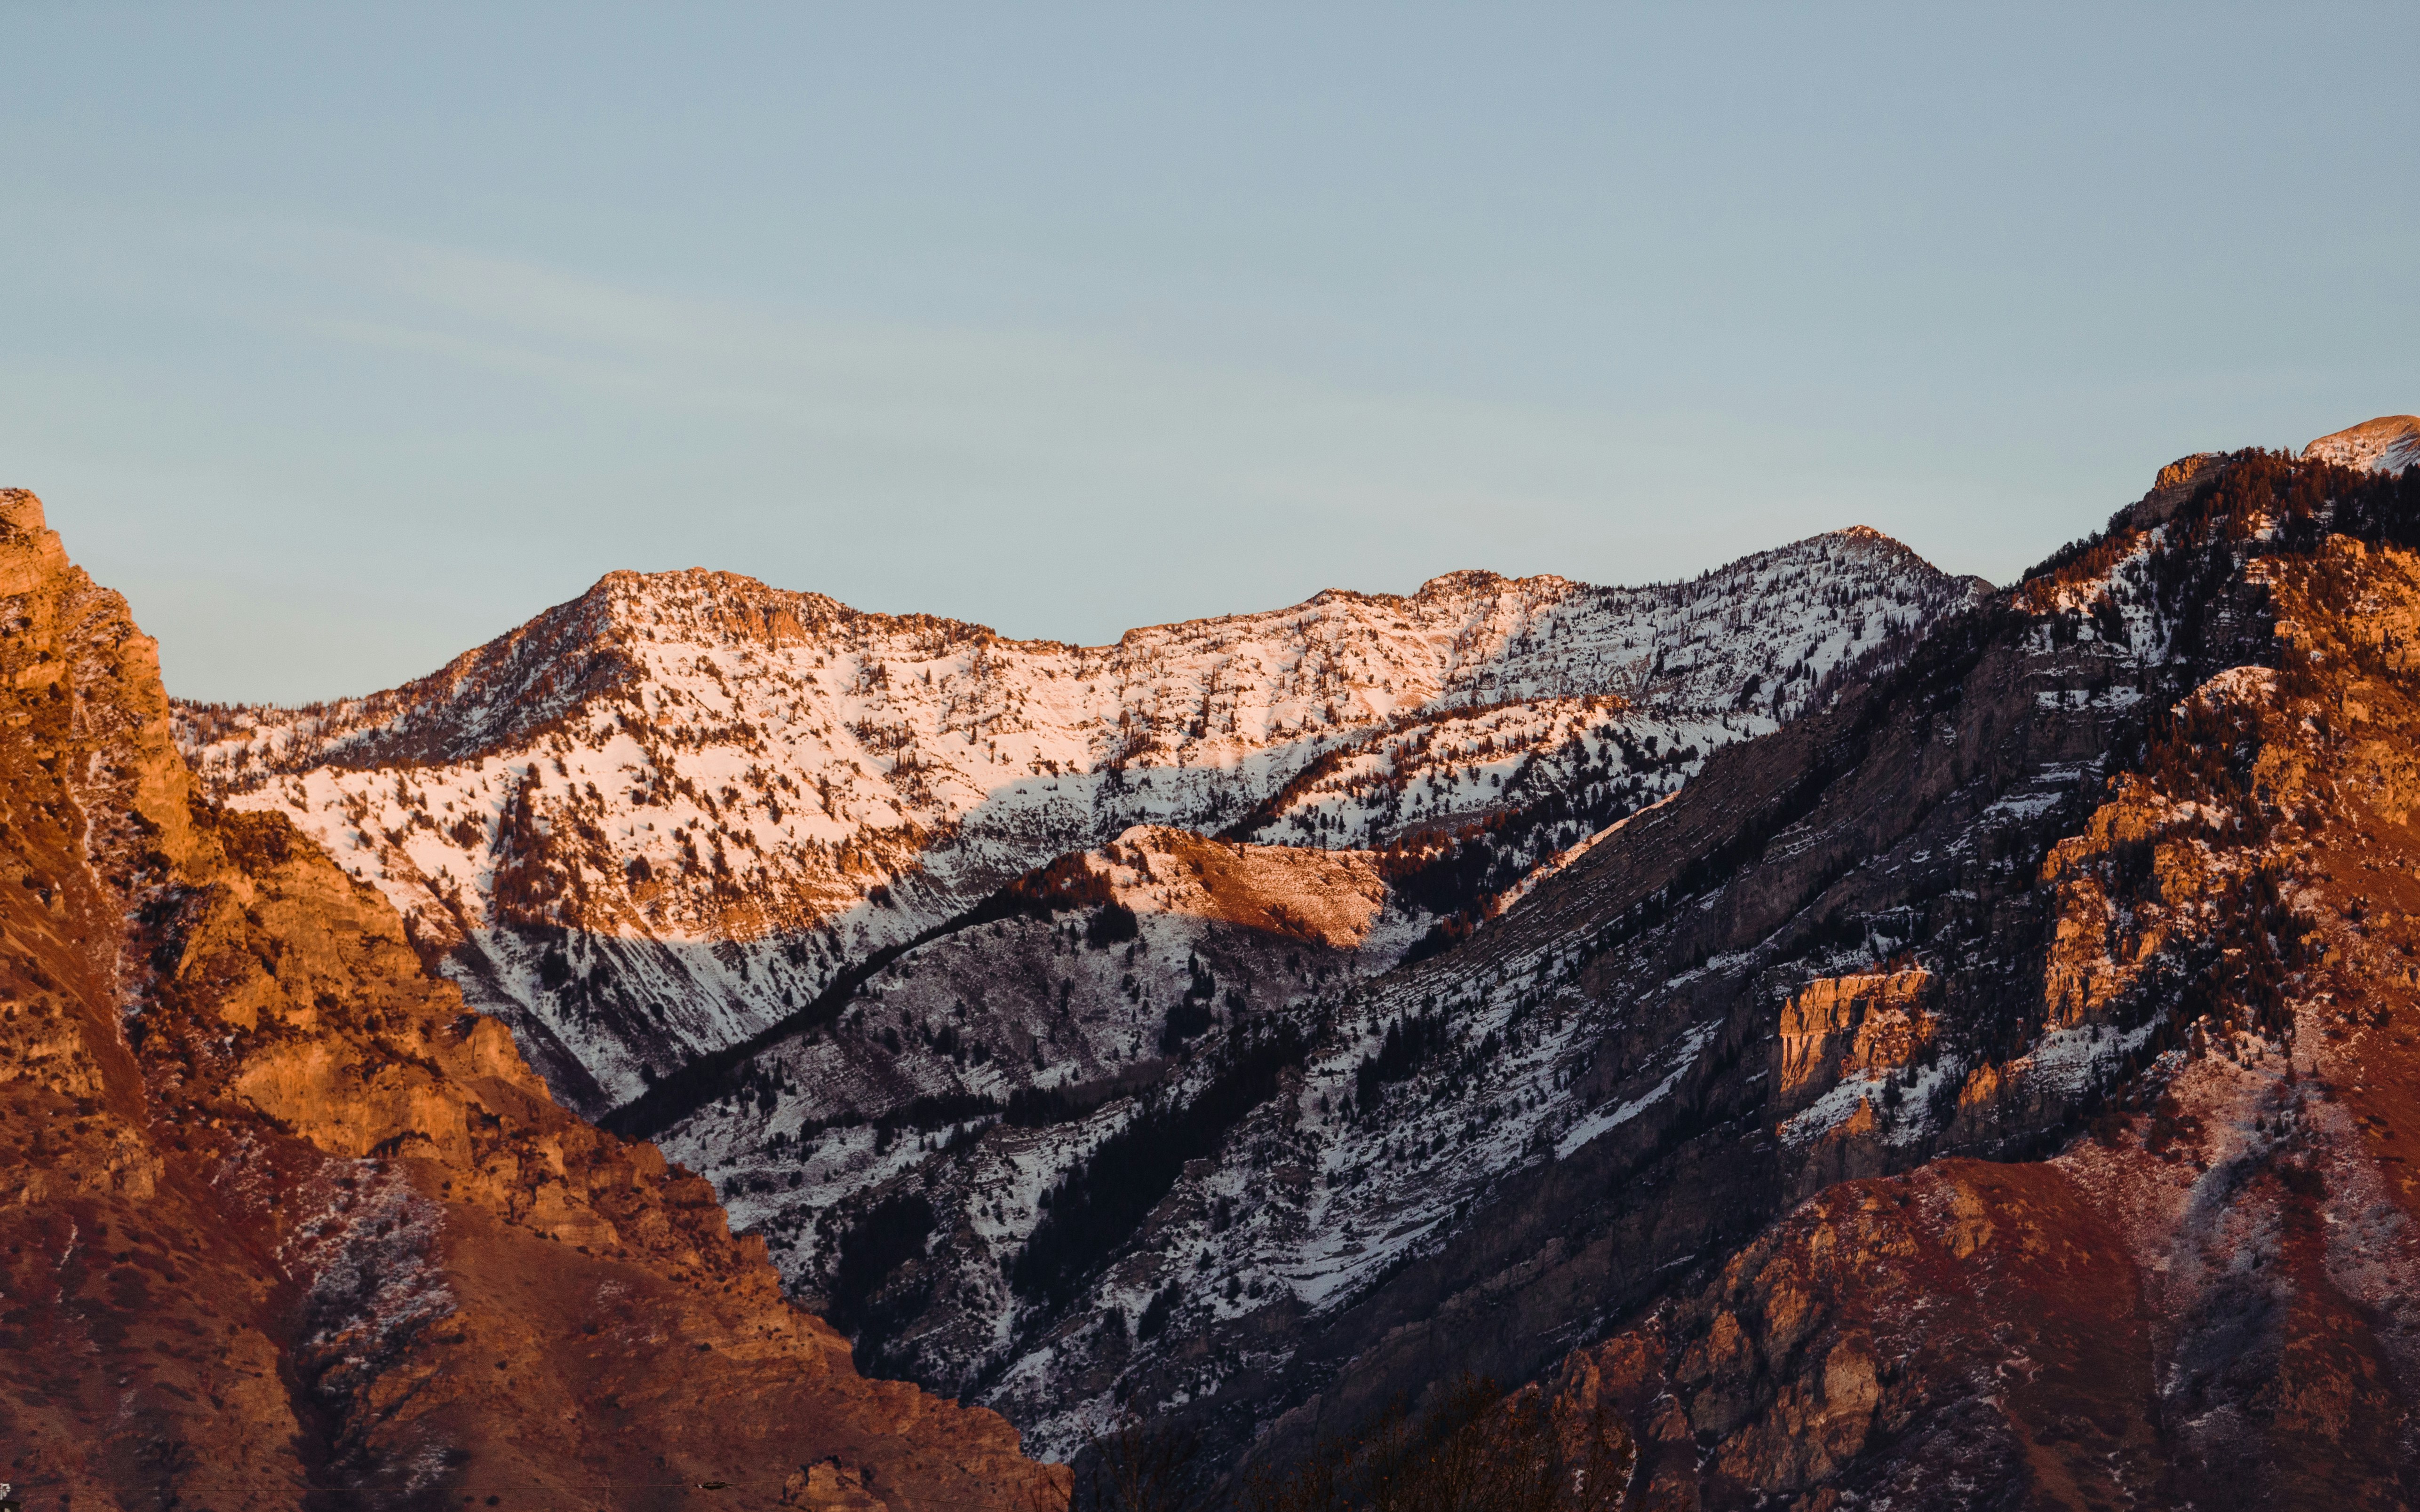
(1019,399)
(1071,324)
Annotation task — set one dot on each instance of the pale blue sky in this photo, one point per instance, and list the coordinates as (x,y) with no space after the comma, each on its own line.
(343,341)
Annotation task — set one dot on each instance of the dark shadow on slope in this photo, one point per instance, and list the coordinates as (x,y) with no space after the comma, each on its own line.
(1096,1207)
(1066,884)
(1888,807)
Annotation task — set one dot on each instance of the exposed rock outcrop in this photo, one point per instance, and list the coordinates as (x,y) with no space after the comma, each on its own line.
(283,1226)
(2208,1298)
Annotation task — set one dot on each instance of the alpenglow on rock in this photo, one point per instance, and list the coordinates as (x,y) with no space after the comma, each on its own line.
(656,820)
(2390,443)
(282,1226)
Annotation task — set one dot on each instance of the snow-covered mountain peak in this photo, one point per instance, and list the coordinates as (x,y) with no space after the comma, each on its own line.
(751,787)
(2389,443)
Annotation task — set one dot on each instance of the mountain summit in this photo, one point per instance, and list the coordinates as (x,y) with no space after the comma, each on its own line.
(2390,443)
(282,1226)
(659,818)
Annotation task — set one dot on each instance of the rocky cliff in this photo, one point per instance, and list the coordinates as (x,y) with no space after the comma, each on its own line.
(285,1226)
(2205,1297)
(2047,891)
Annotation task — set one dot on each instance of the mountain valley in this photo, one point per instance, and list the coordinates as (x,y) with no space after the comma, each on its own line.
(1837,1033)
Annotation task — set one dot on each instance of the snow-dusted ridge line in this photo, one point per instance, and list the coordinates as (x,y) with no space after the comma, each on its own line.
(2389,443)
(654,820)
(1462,637)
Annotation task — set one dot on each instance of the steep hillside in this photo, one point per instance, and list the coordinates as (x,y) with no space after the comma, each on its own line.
(2389,445)
(2034,873)
(2209,1300)
(1131,977)
(283,1226)
(659,819)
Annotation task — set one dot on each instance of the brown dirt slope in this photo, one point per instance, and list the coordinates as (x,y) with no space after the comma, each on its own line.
(282,1226)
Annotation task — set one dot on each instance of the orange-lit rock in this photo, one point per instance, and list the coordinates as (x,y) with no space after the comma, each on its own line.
(281,1225)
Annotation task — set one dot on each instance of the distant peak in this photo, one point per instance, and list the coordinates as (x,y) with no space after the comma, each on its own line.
(1862,536)
(684,580)
(2390,443)
(1858,535)
(1468,580)
(1890,548)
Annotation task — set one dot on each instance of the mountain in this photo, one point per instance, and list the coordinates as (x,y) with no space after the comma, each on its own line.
(2188,1280)
(659,819)
(2027,1012)
(1841,1035)
(2390,443)
(282,1225)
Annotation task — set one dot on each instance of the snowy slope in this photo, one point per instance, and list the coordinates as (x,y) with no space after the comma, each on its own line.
(2390,443)
(657,818)
(1672,1018)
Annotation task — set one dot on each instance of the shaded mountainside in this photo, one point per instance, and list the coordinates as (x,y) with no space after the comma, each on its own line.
(283,1226)
(2054,872)
(656,820)
(2101,856)
(2031,874)
(2209,1298)
(1956,1059)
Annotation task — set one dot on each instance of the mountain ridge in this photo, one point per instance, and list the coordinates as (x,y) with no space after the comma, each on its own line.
(673,764)
(285,1226)
(610,599)
(1671,997)
(2389,443)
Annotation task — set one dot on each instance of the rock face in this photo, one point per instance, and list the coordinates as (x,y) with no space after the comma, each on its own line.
(282,1225)
(1861,1027)
(2057,871)
(656,820)
(2207,1300)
